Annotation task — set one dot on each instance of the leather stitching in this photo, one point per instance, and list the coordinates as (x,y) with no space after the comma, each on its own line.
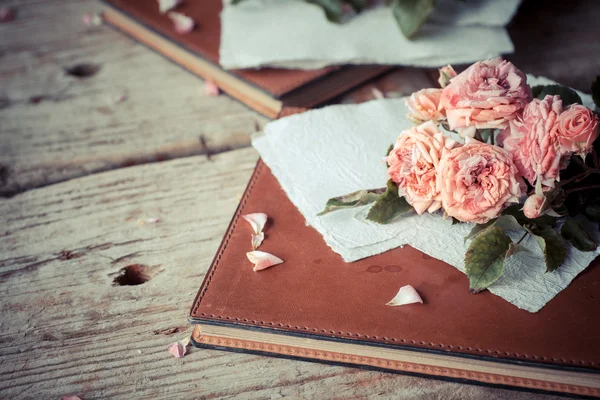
(239,212)
(404,366)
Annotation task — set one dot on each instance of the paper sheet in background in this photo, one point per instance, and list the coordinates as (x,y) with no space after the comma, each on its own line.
(296,34)
(338,149)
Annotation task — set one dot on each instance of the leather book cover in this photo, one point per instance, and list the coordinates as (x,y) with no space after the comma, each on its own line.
(316,297)
(267,90)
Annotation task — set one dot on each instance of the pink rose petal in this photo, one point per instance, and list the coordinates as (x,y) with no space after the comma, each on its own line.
(406,295)
(377,94)
(262,260)
(211,88)
(257,220)
(182,23)
(179,349)
(6,14)
(92,19)
(167,5)
(257,240)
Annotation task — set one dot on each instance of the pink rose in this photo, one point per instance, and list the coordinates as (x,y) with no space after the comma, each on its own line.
(532,141)
(424,105)
(413,165)
(477,181)
(488,94)
(577,129)
(535,206)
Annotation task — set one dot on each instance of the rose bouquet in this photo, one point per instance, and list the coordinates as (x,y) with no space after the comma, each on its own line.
(488,149)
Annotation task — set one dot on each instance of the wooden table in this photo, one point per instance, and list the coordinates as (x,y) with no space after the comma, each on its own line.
(117,189)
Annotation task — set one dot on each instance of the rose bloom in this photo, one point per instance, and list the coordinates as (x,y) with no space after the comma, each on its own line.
(477,181)
(577,129)
(488,94)
(413,165)
(532,141)
(424,105)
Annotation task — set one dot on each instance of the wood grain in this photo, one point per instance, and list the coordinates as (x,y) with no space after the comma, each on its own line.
(67,330)
(138,108)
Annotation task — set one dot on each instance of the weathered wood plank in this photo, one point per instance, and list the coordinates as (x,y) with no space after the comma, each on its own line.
(138,108)
(66,330)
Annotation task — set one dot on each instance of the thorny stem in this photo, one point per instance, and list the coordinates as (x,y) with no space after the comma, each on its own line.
(579,178)
(578,189)
(523,237)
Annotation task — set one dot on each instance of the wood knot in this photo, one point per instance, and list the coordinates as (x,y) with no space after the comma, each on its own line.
(132,275)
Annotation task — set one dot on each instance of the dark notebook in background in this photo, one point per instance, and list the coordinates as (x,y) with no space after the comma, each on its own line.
(267,90)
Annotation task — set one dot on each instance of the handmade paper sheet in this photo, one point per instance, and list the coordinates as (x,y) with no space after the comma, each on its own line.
(296,34)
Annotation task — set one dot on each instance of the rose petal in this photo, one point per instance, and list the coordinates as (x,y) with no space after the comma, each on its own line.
(182,23)
(167,5)
(179,349)
(70,398)
(377,93)
(92,19)
(406,295)
(6,14)
(262,260)
(211,88)
(257,220)
(257,240)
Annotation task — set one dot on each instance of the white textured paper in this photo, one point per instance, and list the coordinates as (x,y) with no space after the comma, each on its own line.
(296,34)
(338,149)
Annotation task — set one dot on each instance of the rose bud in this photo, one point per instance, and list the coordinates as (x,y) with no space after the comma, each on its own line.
(535,206)
(446,73)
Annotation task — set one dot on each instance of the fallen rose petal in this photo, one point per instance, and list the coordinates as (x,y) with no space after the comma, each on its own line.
(167,5)
(406,295)
(70,398)
(92,19)
(179,349)
(262,260)
(377,94)
(182,23)
(6,14)
(121,99)
(257,220)
(257,240)
(211,88)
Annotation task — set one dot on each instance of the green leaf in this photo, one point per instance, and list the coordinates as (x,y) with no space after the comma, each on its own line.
(568,95)
(333,8)
(540,222)
(552,245)
(506,222)
(389,206)
(579,238)
(477,229)
(596,91)
(350,200)
(411,14)
(484,260)
(592,211)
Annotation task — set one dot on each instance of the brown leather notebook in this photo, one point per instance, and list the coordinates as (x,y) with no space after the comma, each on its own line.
(316,307)
(265,90)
